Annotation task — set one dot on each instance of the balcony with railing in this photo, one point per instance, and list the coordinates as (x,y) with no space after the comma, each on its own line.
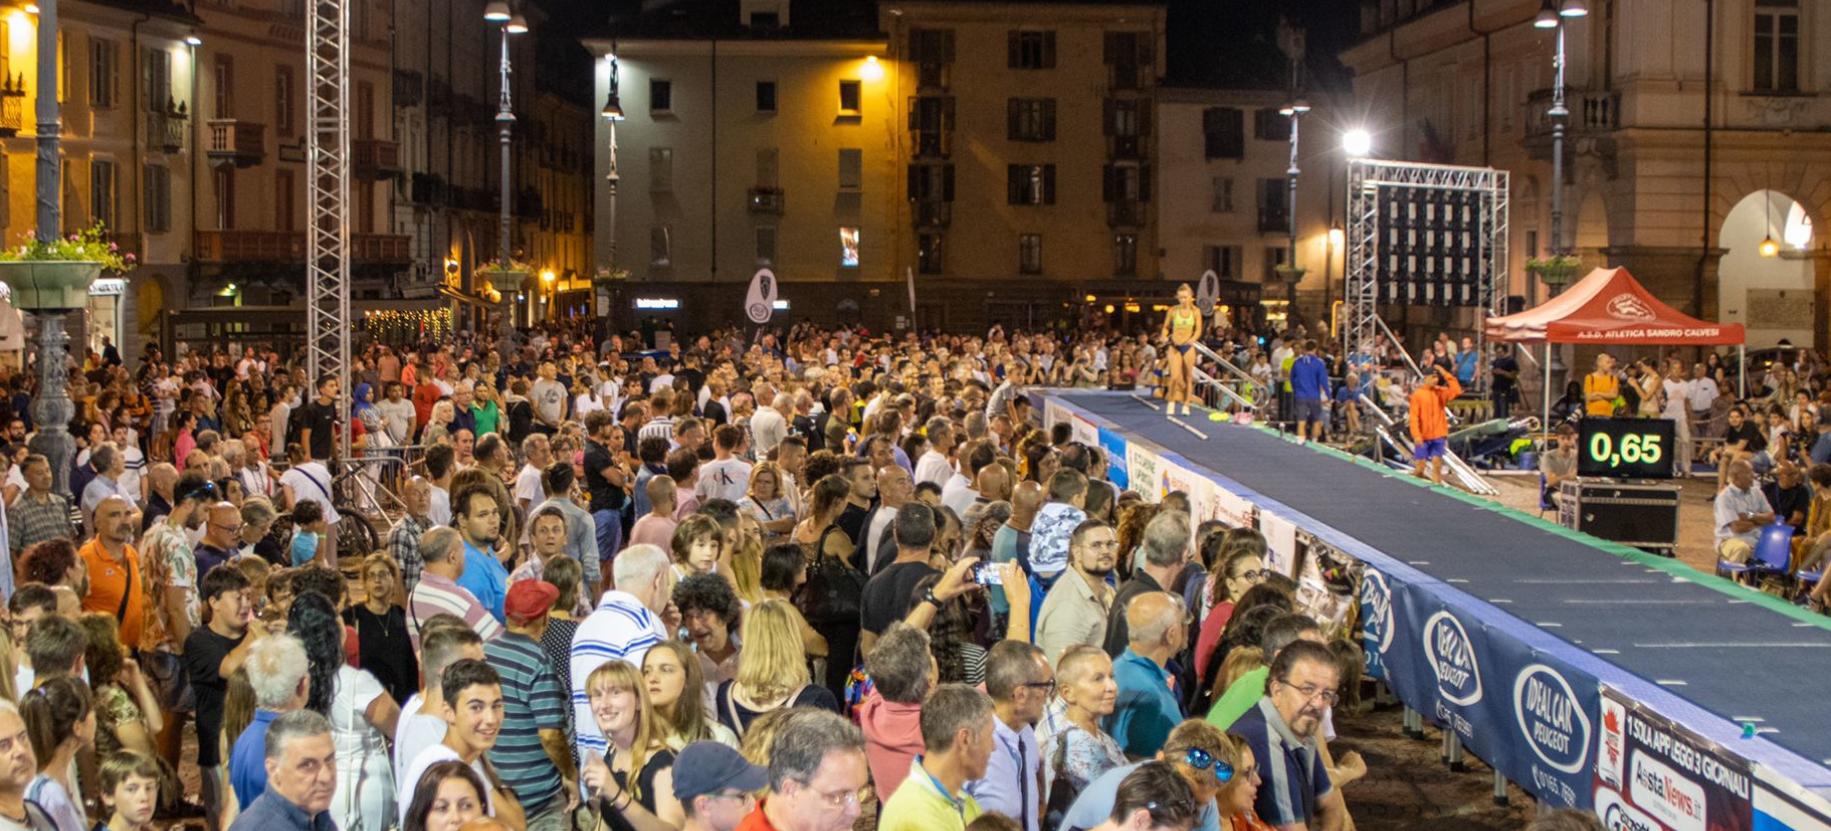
(166,128)
(1125,76)
(934,144)
(1125,147)
(232,141)
(932,214)
(372,159)
(766,201)
(1592,113)
(934,75)
(13,109)
(381,248)
(1128,213)
(234,246)
(1275,216)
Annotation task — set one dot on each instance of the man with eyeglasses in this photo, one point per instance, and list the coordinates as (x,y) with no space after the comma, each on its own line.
(716,786)
(222,535)
(817,772)
(1019,679)
(1196,750)
(1298,793)
(1074,612)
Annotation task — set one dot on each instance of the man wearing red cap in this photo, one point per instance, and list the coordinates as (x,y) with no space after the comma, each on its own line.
(531,754)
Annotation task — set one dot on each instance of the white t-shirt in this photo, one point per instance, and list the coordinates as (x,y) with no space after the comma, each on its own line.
(432,756)
(527,486)
(130,478)
(16,478)
(660,382)
(1677,394)
(933,467)
(1703,394)
(312,482)
(440,511)
(723,479)
(414,732)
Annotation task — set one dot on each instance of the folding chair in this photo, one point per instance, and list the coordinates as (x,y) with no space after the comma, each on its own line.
(1773,555)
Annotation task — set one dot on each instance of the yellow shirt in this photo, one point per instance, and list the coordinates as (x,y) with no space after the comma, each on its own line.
(920,804)
(1608,386)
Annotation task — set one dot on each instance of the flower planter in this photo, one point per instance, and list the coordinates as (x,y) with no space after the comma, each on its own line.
(49,285)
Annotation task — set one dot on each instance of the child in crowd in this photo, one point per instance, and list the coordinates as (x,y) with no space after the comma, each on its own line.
(130,791)
(696,544)
(308,530)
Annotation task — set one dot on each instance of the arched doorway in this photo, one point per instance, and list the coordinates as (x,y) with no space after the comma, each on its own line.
(1765,279)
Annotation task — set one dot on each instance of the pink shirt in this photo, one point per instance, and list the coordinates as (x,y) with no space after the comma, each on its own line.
(653,530)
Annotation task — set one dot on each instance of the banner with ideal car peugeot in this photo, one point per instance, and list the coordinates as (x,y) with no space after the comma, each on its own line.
(1084,431)
(1653,774)
(1520,710)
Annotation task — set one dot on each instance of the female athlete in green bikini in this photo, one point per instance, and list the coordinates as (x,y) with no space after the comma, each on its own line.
(1182,327)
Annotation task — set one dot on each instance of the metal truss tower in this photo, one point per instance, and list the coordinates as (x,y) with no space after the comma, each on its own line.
(327,150)
(1370,181)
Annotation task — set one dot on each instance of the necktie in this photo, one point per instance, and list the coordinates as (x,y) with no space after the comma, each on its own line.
(1023,784)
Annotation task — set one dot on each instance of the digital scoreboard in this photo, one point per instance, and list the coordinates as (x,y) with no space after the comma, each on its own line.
(1625,448)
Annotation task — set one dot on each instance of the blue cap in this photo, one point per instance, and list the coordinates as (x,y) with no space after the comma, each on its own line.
(709,767)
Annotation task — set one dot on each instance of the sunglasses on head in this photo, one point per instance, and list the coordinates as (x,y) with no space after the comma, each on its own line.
(1200,759)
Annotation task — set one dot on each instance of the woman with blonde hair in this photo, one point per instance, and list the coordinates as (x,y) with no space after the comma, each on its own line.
(1070,739)
(634,780)
(439,425)
(1236,797)
(677,691)
(381,628)
(746,559)
(767,502)
(772,671)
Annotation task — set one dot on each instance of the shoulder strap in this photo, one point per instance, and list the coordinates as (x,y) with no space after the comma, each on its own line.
(737,724)
(127,589)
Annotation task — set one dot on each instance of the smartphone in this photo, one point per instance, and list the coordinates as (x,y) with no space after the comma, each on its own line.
(987,574)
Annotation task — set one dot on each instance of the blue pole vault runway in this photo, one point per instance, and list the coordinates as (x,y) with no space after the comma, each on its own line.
(1589,674)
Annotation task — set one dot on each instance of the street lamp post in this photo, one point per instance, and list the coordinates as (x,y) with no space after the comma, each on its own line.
(1294,111)
(512,24)
(613,113)
(1552,16)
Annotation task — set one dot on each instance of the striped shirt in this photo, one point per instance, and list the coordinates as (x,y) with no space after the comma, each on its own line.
(436,594)
(33,521)
(1295,781)
(662,427)
(620,628)
(531,702)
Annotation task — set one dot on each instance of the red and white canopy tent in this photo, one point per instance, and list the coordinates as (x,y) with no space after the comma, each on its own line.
(1608,308)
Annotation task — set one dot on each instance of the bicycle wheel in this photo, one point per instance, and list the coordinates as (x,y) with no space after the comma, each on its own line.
(356,537)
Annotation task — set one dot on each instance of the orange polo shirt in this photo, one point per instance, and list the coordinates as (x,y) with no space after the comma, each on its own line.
(756,820)
(108,581)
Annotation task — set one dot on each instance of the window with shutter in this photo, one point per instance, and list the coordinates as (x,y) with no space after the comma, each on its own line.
(1223,133)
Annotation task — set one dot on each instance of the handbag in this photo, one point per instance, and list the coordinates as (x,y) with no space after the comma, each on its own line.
(1062,790)
(834,590)
(170,683)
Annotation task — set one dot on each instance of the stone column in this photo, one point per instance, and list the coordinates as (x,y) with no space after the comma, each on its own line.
(52,409)
(1821,298)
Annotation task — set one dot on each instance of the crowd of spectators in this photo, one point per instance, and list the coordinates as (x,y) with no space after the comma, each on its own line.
(650,583)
